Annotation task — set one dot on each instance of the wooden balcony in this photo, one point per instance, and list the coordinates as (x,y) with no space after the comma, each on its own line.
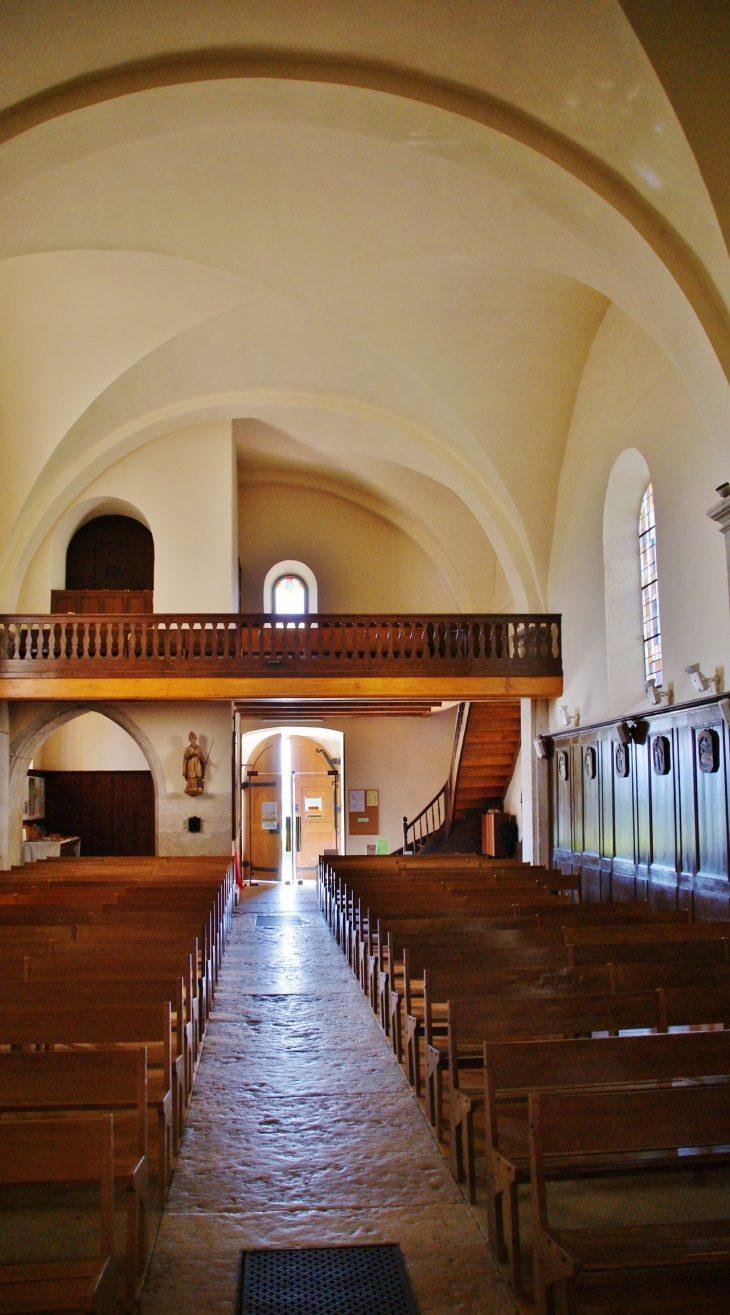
(215,656)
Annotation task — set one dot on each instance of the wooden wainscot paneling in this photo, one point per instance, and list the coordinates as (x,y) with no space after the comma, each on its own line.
(649,819)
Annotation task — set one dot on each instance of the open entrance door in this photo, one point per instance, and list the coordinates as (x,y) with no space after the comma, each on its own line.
(265,811)
(315,785)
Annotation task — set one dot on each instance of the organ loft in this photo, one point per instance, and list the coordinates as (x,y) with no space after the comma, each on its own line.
(364,657)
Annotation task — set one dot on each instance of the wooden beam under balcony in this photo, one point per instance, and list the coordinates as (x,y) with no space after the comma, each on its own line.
(213,656)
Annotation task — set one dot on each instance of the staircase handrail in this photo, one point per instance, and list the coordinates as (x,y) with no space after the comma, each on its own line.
(460,729)
(438,815)
(427,823)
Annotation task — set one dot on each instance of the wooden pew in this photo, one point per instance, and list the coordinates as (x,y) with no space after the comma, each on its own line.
(77,991)
(578,1127)
(78,1081)
(42,1151)
(512,1069)
(697,941)
(474,1020)
(102,1026)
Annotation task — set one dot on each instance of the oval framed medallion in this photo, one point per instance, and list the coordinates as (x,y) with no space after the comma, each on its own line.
(621,759)
(661,755)
(708,750)
(589,762)
(563,768)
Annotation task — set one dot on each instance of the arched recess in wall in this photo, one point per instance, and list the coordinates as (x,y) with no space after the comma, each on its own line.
(28,741)
(75,519)
(111,552)
(627,484)
(291,567)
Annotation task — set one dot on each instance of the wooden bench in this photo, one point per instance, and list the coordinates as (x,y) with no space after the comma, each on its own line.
(48,1151)
(99,990)
(577,1128)
(512,1069)
(103,1026)
(93,1080)
(697,941)
(477,1019)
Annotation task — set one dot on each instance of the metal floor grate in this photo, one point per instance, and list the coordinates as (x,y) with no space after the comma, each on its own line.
(277,920)
(343,1280)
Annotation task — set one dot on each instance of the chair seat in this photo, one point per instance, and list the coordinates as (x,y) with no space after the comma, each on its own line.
(65,1286)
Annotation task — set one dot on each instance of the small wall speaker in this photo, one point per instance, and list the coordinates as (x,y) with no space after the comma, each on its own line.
(194,824)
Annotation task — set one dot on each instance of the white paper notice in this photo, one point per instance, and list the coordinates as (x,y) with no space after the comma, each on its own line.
(269,815)
(357,801)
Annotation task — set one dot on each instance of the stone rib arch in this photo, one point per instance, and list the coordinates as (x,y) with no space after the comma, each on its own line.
(50,719)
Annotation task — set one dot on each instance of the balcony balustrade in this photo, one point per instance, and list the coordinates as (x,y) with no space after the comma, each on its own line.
(199,645)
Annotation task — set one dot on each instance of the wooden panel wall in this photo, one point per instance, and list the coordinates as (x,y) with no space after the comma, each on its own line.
(113,812)
(647,836)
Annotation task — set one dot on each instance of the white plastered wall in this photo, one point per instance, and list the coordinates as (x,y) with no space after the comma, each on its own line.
(632,397)
(90,743)
(183,486)
(360,560)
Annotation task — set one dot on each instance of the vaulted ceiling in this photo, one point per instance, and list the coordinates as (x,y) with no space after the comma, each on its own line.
(407,294)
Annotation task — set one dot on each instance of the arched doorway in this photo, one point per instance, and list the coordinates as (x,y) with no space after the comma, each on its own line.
(292,791)
(50,719)
(98,786)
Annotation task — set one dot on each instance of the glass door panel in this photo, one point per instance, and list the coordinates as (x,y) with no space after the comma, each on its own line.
(314,819)
(265,818)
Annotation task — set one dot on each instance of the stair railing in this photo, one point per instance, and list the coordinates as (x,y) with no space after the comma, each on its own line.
(460,729)
(438,815)
(426,824)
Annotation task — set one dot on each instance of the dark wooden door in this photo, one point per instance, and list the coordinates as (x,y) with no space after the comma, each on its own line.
(111,552)
(113,812)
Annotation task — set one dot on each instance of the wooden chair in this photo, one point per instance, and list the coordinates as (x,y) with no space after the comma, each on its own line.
(56,1151)
(579,1127)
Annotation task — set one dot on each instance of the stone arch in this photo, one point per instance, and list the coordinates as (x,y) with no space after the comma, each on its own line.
(627,484)
(29,740)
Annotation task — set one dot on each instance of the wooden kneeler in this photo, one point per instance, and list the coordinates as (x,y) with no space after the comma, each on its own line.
(60,1151)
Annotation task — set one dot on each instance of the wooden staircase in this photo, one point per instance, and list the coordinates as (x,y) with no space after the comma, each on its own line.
(488,756)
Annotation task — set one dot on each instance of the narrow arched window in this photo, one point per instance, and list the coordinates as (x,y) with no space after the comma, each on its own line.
(651,625)
(290,596)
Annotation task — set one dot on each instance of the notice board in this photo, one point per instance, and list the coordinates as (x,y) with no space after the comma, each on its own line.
(363,812)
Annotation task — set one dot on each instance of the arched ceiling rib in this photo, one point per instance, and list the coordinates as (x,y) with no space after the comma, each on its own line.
(452,278)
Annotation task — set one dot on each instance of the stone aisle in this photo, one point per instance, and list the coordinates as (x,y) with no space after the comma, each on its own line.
(303,1131)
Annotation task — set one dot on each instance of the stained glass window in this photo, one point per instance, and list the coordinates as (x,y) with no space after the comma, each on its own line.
(650,589)
(290,596)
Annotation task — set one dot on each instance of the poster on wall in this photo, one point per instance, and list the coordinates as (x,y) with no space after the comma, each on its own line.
(363,812)
(312,807)
(269,815)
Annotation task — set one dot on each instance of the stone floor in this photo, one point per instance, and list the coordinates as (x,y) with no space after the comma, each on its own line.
(302,1131)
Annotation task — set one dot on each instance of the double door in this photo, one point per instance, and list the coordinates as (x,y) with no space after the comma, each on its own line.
(292,812)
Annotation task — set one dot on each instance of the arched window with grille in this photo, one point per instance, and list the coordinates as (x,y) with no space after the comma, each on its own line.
(650,621)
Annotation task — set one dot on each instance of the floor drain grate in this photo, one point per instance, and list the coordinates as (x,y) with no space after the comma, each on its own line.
(344,1280)
(277,920)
